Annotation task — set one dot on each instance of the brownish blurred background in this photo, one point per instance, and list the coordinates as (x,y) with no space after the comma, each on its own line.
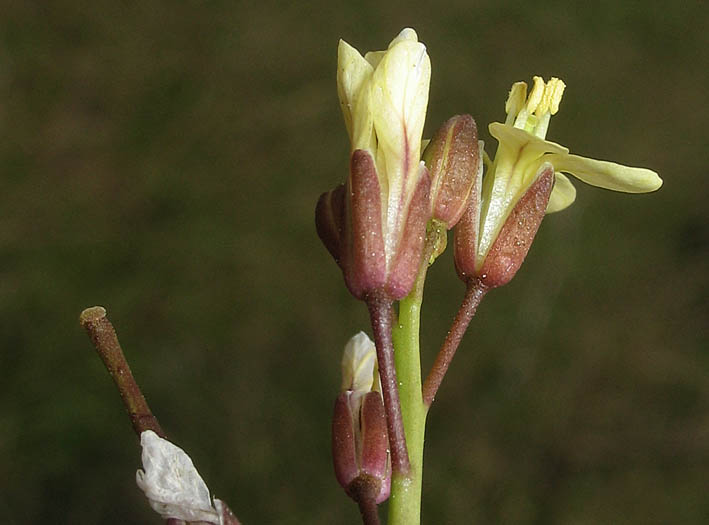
(163,159)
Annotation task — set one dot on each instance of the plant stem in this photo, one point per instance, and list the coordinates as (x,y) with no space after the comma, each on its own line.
(474,293)
(368,509)
(405,499)
(104,338)
(380,312)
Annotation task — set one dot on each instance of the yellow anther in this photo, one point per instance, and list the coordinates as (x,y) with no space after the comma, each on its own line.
(516,98)
(556,87)
(536,95)
(553,90)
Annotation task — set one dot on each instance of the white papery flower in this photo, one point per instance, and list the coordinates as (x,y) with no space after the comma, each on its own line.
(172,484)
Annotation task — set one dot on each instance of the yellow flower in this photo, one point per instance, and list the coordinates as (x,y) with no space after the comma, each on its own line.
(524,157)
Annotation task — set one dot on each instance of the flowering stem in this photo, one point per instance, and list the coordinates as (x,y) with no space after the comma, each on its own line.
(104,338)
(380,312)
(474,293)
(405,499)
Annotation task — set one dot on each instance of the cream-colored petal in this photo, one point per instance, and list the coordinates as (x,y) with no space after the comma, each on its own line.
(563,194)
(500,195)
(518,138)
(517,163)
(374,57)
(353,74)
(405,35)
(359,363)
(608,175)
(399,96)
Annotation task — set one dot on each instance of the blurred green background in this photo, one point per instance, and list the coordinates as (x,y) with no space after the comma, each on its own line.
(163,159)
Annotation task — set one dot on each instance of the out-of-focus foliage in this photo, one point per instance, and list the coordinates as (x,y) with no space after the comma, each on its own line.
(163,159)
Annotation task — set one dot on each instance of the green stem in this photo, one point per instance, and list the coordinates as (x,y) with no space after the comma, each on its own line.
(405,499)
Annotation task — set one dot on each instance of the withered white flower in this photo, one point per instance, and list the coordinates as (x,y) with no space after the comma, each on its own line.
(172,484)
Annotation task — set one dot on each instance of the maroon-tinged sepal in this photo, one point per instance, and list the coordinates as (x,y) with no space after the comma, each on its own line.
(375,441)
(465,237)
(364,263)
(360,445)
(344,451)
(407,258)
(510,248)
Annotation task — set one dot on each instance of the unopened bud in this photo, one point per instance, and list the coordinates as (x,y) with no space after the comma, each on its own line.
(455,163)
(360,444)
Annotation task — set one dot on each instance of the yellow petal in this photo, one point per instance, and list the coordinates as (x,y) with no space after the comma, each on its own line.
(518,138)
(563,194)
(359,363)
(399,97)
(406,34)
(374,57)
(607,175)
(353,74)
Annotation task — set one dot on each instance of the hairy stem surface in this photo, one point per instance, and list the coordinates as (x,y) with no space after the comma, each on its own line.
(380,311)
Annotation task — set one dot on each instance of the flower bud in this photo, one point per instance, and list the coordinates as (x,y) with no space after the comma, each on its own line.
(360,443)
(455,164)
(375,229)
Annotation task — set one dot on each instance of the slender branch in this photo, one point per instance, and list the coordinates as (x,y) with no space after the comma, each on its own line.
(368,509)
(104,338)
(474,293)
(380,312)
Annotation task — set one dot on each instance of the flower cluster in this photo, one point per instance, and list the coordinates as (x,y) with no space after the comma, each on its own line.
(389,221)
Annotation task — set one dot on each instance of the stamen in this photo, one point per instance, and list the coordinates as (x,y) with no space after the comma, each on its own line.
(515,101)
(536,95)
(557,91)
